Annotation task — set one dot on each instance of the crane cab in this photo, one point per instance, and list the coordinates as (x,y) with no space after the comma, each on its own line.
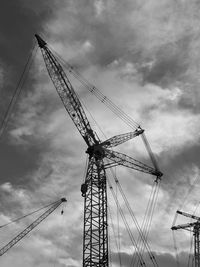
(84,188)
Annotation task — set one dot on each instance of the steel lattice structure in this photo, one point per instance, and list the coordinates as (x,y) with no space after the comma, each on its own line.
(94,189)
(95,216)
(195,228)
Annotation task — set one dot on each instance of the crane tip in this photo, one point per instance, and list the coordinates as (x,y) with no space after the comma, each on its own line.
(40,41)
(63,199)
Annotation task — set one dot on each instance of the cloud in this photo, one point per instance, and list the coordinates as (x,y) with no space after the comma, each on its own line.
(144,56)
(163,259)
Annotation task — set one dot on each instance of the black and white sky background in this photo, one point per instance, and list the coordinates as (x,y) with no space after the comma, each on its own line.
(144,55)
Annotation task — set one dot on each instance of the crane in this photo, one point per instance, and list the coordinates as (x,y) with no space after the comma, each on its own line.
(101,157)
(22,234)
(195,228)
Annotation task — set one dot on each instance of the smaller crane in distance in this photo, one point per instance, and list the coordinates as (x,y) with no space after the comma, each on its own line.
(22,234)
(195,228)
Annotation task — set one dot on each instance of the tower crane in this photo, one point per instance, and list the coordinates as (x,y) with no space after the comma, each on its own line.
(94,189)
(195,228)
(22,234)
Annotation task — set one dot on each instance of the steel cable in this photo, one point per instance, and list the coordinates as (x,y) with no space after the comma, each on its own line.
(141,235)
(18,90)
(141,260)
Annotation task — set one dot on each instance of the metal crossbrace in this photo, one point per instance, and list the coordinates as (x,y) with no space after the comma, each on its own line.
(95,240)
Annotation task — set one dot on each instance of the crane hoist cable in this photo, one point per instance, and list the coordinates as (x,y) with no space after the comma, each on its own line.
(18,90)
(190,252)
(146,229)
(143,238)
(115,236)
(141,234)
(138,254)
(175,249)
(110,260)
(22,234)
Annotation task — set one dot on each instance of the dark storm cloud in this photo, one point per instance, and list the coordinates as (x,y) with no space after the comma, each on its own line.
(185,159)
(110,33)
(180,172)
(19,20)
(169,63)
(13,168)
(17,28)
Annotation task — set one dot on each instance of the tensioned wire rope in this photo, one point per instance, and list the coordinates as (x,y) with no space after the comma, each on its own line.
(190,251)
(141,234)
(174,242)
(18,90)
(133,241)
(137,250)
(175,249)
(150,211)
(115,236)
(56,249)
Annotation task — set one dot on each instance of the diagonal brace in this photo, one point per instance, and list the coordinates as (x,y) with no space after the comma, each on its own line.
(127,161)
(121,138)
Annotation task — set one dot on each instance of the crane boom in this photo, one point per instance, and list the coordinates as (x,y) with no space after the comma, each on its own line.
(127,161)
(121,138)
(67,94)
(16,239)
(188,215)
(183,226)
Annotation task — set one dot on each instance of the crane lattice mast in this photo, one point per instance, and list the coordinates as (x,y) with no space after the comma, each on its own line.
(94,189)
(195,228)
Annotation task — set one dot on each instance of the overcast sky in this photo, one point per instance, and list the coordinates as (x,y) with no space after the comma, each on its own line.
(144,55)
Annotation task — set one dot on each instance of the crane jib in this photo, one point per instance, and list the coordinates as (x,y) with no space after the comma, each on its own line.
(68,96)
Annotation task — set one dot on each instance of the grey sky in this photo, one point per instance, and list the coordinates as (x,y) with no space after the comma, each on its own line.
(142,55)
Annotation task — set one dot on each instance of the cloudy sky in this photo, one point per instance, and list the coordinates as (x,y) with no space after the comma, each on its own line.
(144,55)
